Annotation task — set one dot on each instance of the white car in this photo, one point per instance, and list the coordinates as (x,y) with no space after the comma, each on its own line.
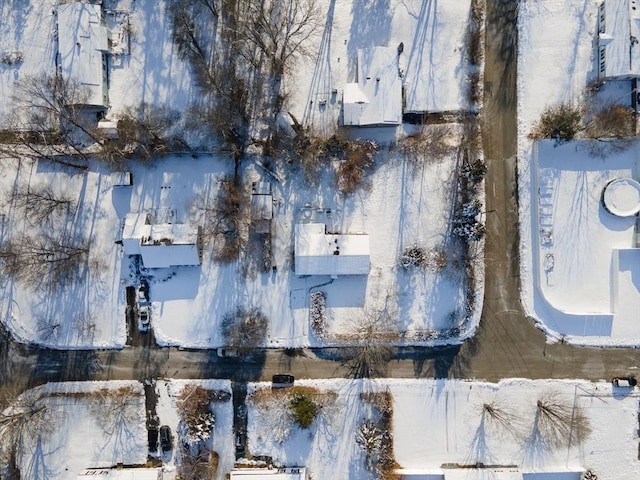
(228,352)
(144,318)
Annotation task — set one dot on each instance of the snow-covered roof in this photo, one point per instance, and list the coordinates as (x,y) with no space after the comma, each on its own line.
(82,41)
(319,253)
(376,99)
(292,473)
(122,474)
(618,37)
(505,473)
(161,245)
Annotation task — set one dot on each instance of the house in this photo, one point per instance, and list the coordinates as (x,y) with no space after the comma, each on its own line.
(617,42)
(270,473)
(161,245)
(376,98)
(83,46)
(121,474)
(320,253)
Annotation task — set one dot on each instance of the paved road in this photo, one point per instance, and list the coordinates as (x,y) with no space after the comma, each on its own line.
(506,345)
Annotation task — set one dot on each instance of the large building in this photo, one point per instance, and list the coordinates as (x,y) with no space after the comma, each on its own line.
(320,253)
(617,41)
(376,98)
(83,45)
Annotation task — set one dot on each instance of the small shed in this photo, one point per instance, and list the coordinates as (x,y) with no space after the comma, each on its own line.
(320,253)
(121,179)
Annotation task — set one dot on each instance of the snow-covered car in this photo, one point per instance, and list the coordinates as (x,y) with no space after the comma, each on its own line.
(624,382)
(228,352)
(144,318)
(143,293)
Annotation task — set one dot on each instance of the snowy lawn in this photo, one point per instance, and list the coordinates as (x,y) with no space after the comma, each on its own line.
(574,281)
(438,422)
(88,424)
(80,309)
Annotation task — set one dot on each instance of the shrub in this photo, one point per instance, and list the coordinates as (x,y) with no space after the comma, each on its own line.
(612,120)
(359,159)
(194,406)
(474,171)
(413,256)
(244,327)
(318,314)
(561,122)
(303,408)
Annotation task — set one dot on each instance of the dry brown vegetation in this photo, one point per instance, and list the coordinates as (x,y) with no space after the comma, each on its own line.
(375,437)
(244,328)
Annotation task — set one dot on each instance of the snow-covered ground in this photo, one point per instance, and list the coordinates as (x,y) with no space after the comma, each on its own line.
(437,422)
(86,428)
(575,281)
(87,312)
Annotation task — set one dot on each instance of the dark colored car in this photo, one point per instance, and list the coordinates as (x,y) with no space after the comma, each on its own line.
(152,435)
(166,438)
(280,380)
(628,382)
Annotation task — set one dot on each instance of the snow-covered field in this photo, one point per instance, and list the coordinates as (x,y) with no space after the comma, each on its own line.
(574,281)
(437,422)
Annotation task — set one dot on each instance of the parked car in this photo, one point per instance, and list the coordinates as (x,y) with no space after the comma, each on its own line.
(166,439)
(280,380)
(144,318)
(152,435)
(228,352)
(624,382)
(143,293)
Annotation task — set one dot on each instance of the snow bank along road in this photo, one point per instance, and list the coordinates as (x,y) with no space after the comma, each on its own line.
(506,345)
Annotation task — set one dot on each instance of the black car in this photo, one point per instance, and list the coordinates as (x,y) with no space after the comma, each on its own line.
(166,438)
(152,435)
(280,380)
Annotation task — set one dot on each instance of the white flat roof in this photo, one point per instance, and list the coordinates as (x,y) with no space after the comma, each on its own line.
(122,474)
(505,473)
(318,253)
(377,97)
(619,34)
(290,473)
(82,39)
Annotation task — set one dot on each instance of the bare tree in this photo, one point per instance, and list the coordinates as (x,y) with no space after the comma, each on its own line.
(41,203)
(49,120)
(558,422)
(501,419)
(230,222)
(431,142)
(244,328)
(24,418)
(369,352)
(35,260)
(279,30)
(116,410)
